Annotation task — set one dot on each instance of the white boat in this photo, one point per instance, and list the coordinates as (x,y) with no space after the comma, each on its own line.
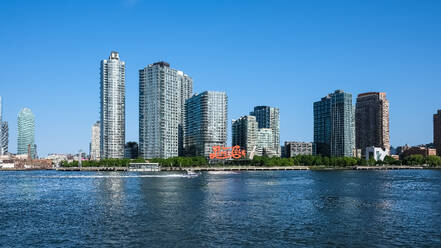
(191,173)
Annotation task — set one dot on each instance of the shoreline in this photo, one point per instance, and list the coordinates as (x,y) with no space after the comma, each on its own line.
(241,168)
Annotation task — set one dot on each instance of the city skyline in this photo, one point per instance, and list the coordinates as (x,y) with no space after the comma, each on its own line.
(397,59)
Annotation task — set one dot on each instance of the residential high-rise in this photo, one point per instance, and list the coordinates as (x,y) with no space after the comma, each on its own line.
(162,95)
(334,125)
(372,121)
(26,132)
(112,107)
(4,138)
(268,117)
(244,133)
(437,132)
(206,123)
(265,143)
(95,142)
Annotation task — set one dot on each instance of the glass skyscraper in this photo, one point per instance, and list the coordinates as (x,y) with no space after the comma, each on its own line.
(26,132)
(206,123)
(4,132)
(112,107)
(4,137)
(334,125)
(162,95)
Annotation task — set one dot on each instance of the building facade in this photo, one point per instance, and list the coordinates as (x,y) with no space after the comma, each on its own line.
(244,133)
(4,138)
(26,133)
(334,125)
(265,143)
(372,121)
(418,150)
(95,144)
(437,132)
(131,150)
(112,122)
(162,95)
(206,123)
(4,132)
(268,117)
(293,148)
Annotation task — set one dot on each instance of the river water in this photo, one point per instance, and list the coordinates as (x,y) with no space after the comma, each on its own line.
(247,209)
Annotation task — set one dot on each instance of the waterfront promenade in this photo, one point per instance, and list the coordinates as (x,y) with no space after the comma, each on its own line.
(249,168)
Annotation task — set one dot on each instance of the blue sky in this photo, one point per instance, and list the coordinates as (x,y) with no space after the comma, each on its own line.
(286,54)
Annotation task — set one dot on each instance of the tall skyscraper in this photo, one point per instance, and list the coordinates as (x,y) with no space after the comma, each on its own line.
(4,132)
(244,133)
(95,142)
(4,138)
(437,132)
(334,125)
(26,132)
(206,123)
(268,117)
(112,107)
(162,95)
(372,121)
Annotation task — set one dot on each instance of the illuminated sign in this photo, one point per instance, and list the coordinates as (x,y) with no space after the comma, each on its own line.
(220,152)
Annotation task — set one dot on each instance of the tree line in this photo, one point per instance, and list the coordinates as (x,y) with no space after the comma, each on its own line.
(304,160)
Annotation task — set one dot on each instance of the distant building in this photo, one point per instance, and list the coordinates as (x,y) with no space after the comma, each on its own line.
(372,121)
(206,123)
(26,133)
(334,132)
(437,131)
(162,95)
(421,150)
(131,150)
(4,137)
(401,149)
(112,107)
(95,142)
(244,133)
(293,148)
(268,117)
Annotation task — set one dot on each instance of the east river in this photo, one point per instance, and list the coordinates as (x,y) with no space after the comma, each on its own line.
(247,209)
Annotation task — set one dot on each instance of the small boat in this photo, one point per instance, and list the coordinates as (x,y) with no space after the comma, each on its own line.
(191,173)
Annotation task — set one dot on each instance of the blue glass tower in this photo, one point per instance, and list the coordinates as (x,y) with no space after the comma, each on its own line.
(26,132)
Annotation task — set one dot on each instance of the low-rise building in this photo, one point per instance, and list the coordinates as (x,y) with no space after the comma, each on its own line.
(377,153)
(421,150)
(294,148)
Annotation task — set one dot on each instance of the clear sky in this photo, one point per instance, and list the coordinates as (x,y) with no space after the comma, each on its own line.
(286,54)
